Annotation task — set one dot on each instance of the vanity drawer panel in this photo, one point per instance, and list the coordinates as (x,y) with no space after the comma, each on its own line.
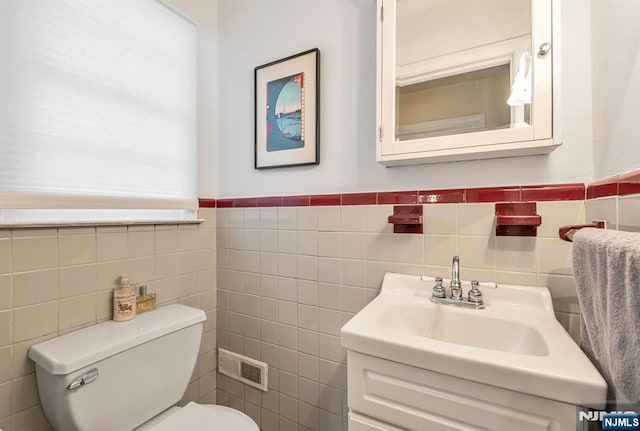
(418,400)
(362,423)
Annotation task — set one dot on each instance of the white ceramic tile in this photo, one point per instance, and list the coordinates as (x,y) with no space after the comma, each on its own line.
(187,237)
(167,265)
(167,239)
(377,218)
(252,305)
(329,348)
(188,262)
(251,240)
(308,243)
(287,241)
(476,218)
(76,249)
(602,209)
(269,240)
(563,292)
(329,321)
(111,246)
(287,289)
(354,272)
(477,252)
(308,342)
(287,334)
(5,328)
(629,213)
(408,268)
(439,249)
(5,401)
(268,309)
(35,232)
(24,393)
(251,218)
(353,298)
(222,238)
(5,256)
(515,253)
(441,219)
(408,248)
(379,246)
(353,218)
(77,311)
(206,259)
(235,239)
(235,218)
(289,410)
(287,265)
(308,317)
(307,218)
(554,256)
(571,323)
(141,270)
(308,292)
(269,218)
(557,214)
(352,245)
(307,267)
(329,244)
(140,244)
(5,364)
(308,365)
(328,270)
(5,291)
(251,261)
(517,278)
(235,259)
(287,218)
(331,399)
(34,253)
(329,296)
(35,287)
(35,321)
(375,273)
(329,219)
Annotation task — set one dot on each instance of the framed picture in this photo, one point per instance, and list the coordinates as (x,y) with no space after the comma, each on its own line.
(287,111)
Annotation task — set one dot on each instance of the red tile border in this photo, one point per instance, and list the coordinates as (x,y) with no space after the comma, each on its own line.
(451,196)
(624,184)
(325,200)
(397,198)
(224,203)
(245,202)
(603,188)
(629,183)
(553,192)
(493,194)
(296,201)
(206,203)
(270,201)
(360,199)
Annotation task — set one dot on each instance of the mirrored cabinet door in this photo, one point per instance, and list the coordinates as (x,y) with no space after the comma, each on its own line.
(463,79)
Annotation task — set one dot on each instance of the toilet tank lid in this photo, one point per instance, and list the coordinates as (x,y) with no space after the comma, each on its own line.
(78,349)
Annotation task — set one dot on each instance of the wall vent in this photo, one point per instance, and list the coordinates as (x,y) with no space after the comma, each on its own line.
(249,371)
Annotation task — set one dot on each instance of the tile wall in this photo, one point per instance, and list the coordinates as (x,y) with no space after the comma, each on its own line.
(56,280)
(290,277)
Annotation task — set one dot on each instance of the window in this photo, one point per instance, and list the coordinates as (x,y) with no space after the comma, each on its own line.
(97,111)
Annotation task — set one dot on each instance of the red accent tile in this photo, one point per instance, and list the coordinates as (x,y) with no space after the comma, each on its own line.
(493,194)
(245,202)
(206,203)
(295,201)
(397,198)
(224,203)
(451,196)
(325,200)
(554,192)
(602,188)
(359,199)
(270,201)
(629,183)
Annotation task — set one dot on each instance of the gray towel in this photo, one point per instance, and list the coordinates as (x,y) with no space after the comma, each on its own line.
(606,266)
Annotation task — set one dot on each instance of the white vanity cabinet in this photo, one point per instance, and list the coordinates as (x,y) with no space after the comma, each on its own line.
(389,396)
(465,79)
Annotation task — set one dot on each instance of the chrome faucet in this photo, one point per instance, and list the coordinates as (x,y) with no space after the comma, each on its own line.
(456,286)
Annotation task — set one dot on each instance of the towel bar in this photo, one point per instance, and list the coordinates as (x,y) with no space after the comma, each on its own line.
(566,232)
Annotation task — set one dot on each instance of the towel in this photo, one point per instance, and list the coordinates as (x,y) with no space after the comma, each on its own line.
(606,266)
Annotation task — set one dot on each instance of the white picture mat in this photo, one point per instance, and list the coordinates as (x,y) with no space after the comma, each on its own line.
(304,64)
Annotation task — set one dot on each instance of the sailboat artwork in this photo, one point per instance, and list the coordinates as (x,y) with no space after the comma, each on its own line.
(285,113)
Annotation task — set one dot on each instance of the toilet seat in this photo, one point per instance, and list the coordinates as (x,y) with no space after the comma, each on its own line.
(196,417)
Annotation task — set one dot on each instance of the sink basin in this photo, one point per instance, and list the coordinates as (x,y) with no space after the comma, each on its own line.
(515,342)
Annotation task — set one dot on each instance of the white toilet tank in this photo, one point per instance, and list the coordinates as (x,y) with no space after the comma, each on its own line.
(132,370)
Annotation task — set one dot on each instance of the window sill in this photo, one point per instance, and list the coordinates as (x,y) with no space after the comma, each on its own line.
(39,224)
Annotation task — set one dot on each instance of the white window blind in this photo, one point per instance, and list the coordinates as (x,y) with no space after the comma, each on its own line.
(97,108)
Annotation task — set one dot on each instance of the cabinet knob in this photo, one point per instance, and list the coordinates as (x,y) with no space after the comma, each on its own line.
(544,49)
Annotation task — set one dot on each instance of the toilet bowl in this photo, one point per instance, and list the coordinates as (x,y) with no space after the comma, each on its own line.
(129,375)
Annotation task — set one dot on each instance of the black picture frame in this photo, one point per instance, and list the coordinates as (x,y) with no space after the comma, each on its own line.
(287,111)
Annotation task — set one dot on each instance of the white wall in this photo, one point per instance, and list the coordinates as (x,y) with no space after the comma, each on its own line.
(615,42)
(255,32)
(205,14)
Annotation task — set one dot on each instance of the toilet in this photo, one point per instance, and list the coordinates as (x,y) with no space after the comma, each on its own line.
(129,376)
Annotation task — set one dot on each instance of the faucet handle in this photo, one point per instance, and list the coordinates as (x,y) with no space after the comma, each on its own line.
(475,295)
(438,289)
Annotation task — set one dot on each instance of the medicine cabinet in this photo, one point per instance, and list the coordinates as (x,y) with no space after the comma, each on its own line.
(463,79)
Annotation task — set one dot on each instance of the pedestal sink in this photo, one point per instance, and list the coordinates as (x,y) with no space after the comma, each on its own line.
(496,364)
